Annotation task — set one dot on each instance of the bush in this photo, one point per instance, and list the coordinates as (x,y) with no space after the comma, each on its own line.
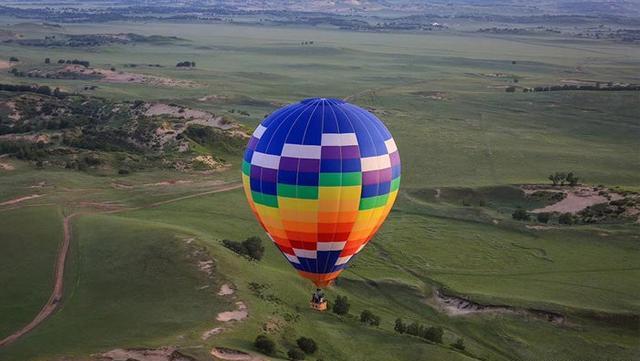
(520,215)
(341,306)
(400,327)
(265,345)
(296,354)
(308,345)
(566,218)
(543,217)
(254,247)
(13,59)
(250,247)
(433,334)
(369,318)
(459,344)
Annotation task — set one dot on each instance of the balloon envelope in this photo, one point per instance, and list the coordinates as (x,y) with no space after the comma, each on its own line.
(321,176)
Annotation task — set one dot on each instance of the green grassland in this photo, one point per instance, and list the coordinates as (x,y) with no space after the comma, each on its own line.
(26,270)
(131,282)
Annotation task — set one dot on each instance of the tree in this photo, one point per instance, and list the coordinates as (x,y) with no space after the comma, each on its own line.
(254,247)
(572,179)
(296,354)
(459,344)
(520,215)
(557,178)
(265,345)
(566,218)
(543,217)
(308,345)
(433,334)
(400,327)
(341,306)
(47,61)
(13,59)
(369,318)
(415,329)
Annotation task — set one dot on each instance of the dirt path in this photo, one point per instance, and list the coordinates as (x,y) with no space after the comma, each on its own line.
(20,199)
(56,296)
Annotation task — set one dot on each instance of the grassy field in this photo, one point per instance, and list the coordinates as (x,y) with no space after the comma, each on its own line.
(26,269)
(132,283)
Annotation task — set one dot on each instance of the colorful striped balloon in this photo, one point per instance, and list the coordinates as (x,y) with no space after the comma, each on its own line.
(321,176)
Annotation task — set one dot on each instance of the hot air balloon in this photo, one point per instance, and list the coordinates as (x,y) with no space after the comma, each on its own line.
(321,176)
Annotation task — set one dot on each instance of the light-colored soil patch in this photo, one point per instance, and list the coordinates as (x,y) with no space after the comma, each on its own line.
(206,267)
(30,138)
(458,306)
(238,315)
(145,354)
(225,290)
(577,199)
(6,166)
(223,353)
(212,332)
(170,182)
(5,64)
(20,199)
(193,116)
(213,98)
(111,76)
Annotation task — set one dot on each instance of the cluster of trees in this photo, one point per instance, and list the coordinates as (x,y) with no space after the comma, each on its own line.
(561,178)
(251,247)
(307,42)
(305,346)
(186,64)
(40,89)
(433,333)
(23,150)
(84,63)
(543,217)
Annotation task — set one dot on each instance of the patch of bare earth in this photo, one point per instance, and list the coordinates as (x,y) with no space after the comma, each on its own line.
(239,314)
(459,306)
(20,199)
(223,353)
(116,76)
(144,354)
(193,116)
(5,64)
(212,332)
(6,166)
(225,290)
(576,198)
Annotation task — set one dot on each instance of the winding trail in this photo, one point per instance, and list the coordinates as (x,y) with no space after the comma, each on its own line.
(56,295)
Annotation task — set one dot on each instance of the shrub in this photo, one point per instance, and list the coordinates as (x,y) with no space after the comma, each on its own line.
(415,329)
(459,344)
(296,354)
(341,306)
(566,218)
(250,247)
(433,334)
(520,215)
(13,59)
(254,247)
(265,345)
(543,217)
(369,318)
(308,345)
(400,327)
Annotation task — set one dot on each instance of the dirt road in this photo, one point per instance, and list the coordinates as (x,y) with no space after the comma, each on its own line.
(58,288)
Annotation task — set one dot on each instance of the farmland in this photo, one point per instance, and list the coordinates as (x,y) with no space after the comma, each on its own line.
(134,277)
